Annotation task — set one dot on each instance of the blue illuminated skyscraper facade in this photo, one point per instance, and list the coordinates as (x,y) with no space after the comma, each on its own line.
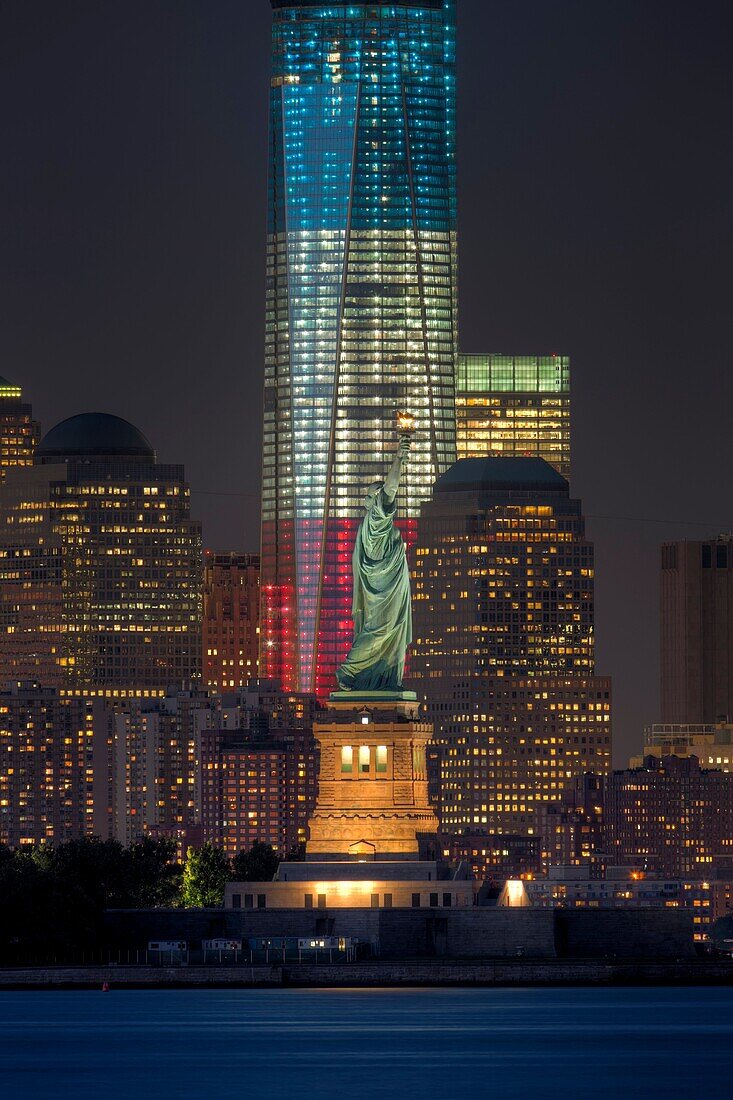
(361,300)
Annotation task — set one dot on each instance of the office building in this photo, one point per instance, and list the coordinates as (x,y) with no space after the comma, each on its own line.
(54,767)
(514,405)
(361,300)
(100,565)
(19,432)
(671,816)
(502,576)
(697,631)
(231,616)
(259,787)
(504,643)
(509,745)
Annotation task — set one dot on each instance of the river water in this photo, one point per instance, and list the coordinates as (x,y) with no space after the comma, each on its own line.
(352,1044)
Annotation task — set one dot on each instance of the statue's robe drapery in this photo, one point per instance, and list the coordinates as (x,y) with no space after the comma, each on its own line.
(381,606)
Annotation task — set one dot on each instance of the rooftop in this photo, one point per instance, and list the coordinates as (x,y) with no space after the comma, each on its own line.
(94,434)
(503,474)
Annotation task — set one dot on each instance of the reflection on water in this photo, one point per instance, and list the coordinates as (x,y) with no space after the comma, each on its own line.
(349,1044)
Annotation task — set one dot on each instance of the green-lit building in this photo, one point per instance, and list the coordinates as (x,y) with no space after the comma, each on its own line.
(513,405)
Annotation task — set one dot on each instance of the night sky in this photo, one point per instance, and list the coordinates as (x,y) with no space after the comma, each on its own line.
(595,217)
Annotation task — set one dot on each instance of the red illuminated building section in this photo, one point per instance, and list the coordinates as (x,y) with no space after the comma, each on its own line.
(283,605)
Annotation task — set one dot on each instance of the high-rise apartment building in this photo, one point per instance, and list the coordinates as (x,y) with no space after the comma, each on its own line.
(502,576)
(156,762)
(671,816)
(54,767)
(697,631)
(19,432)
(495,857)
(511,405)
(361,300)
(231,616)
(572,828)
(100,565)
(259,786)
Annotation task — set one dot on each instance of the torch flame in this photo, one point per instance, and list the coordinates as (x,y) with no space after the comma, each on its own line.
(405,422)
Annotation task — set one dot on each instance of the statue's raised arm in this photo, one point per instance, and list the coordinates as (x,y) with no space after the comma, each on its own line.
(381,603)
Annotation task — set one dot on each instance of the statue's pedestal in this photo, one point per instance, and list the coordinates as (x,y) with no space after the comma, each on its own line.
(373,792)
(373,833)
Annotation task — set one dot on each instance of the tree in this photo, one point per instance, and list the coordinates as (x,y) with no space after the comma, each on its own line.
(204,876)
(151,877)
(257,865)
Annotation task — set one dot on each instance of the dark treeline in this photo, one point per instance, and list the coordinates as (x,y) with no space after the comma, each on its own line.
(53,898)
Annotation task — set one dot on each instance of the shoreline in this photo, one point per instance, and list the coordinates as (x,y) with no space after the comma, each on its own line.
(408,973)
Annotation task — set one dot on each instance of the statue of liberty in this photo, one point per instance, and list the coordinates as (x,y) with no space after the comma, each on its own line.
(381,603)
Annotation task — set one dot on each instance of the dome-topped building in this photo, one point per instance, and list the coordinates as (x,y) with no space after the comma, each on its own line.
(96,436)
(100,564)
(499,473)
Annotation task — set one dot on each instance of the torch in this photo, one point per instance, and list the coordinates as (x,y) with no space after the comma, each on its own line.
(405,425)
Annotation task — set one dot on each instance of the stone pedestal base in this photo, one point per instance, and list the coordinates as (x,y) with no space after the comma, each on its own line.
(373,797)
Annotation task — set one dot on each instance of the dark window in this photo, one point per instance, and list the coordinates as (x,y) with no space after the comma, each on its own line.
(387,901)
(309,901)
(706,557)
(433,899)
(375,901)
(236,901)
(248,901)
(721,557)
(415,901)
(261,901)
(321,901)
(446,900)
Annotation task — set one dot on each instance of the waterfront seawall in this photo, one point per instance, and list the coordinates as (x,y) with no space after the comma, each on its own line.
(472,933)
(384,973)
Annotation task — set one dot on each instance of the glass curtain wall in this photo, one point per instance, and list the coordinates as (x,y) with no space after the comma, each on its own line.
(361,301)
(514,405)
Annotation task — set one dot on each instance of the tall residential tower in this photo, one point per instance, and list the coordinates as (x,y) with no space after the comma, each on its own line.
(361,299)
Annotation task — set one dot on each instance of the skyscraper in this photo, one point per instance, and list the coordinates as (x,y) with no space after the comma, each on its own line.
(697,631)
(19,432)
(504,643)
(361,299)
(503,575)
(100,565)
(511,405)
(231,632)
